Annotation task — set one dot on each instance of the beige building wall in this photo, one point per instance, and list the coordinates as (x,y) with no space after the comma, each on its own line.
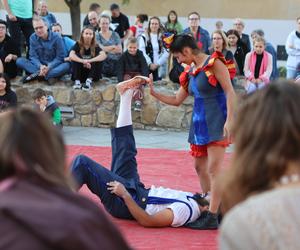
(248,9)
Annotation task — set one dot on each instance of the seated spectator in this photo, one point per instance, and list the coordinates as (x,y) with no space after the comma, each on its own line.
(46,55)
(201,35)
(138,28)
(261,190)
(269,48)
(46,103)
(38,208)
(110,43)
(93,7)
(120,22)
(121,190)
(219,45)
(68,42)
(258,66)
(9,52)
(173,25)
(151,45)
(86,57)
(292,47)
(239,26)
(93,17)
(43,12)
(133,63)
(238,48)
(8,98)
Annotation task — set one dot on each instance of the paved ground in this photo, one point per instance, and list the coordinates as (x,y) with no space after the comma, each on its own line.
(144,138)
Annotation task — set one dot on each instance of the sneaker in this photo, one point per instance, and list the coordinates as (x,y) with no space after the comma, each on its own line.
(131,83)
(31,77)
(137,106)
(208,222)
(86,87)
(77,85)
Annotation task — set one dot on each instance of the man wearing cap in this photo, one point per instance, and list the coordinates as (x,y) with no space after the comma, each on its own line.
(9,51)
(120,21)
(120,189)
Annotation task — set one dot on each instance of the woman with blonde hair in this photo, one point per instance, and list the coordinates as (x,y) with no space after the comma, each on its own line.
(261,190)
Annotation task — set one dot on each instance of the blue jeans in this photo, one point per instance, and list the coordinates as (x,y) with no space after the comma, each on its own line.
(123,169)
(56,72)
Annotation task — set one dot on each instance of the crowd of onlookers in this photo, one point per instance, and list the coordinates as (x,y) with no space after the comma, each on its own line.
(108,46)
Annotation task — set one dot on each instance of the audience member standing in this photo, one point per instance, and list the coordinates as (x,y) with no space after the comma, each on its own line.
(93,7)
(8,98)
(8,52)
(133,63)
(201,35)
(292,47)
(44,13)
(262,187)
(238,48)
(46,54)
(19,19)
(173,25)
(239,26)
(151,45)
(258,66)
(120,21)
(269,48)
(86,56)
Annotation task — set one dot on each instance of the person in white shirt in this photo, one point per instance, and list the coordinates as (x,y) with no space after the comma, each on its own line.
(120,189)
(151,44)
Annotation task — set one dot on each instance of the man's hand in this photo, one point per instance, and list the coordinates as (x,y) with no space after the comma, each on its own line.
(12,17)
(117,188)
(152,91)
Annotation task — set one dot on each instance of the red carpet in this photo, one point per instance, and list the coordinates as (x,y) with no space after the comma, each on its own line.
(168,168)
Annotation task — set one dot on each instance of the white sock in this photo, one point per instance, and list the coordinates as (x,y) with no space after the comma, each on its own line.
(124,118)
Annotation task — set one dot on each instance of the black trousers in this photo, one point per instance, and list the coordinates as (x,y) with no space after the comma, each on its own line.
(81,73)
(22,25)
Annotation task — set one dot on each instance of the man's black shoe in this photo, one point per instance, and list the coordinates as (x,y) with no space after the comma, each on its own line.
(31,77)
(208,222)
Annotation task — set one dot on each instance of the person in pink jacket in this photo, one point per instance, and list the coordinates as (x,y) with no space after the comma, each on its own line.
(258,66)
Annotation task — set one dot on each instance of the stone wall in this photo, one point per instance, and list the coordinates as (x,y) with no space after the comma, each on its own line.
(99,107)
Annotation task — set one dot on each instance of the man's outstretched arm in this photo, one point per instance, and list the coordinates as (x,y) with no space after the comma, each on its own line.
(163,218)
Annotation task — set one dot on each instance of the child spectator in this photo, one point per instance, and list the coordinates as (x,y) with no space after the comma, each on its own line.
(8,98)
(258,66)
(133,63)
(46,103)
(86,56)
(9,51)
(43,12)
(68,42)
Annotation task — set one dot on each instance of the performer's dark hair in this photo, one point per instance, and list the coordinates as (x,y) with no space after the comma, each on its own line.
(184,41)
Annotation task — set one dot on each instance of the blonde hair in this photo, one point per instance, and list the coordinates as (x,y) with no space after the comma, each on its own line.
(224,38)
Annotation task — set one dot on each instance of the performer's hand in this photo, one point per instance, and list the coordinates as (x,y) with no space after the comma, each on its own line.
(117,188)
(227,131)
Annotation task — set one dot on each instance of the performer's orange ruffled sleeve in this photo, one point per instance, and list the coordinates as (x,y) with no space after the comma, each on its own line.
(184,78)
(229,64)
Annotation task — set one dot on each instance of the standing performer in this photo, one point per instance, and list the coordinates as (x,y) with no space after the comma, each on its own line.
(209,82)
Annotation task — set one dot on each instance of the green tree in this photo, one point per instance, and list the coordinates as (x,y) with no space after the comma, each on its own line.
(74,6)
